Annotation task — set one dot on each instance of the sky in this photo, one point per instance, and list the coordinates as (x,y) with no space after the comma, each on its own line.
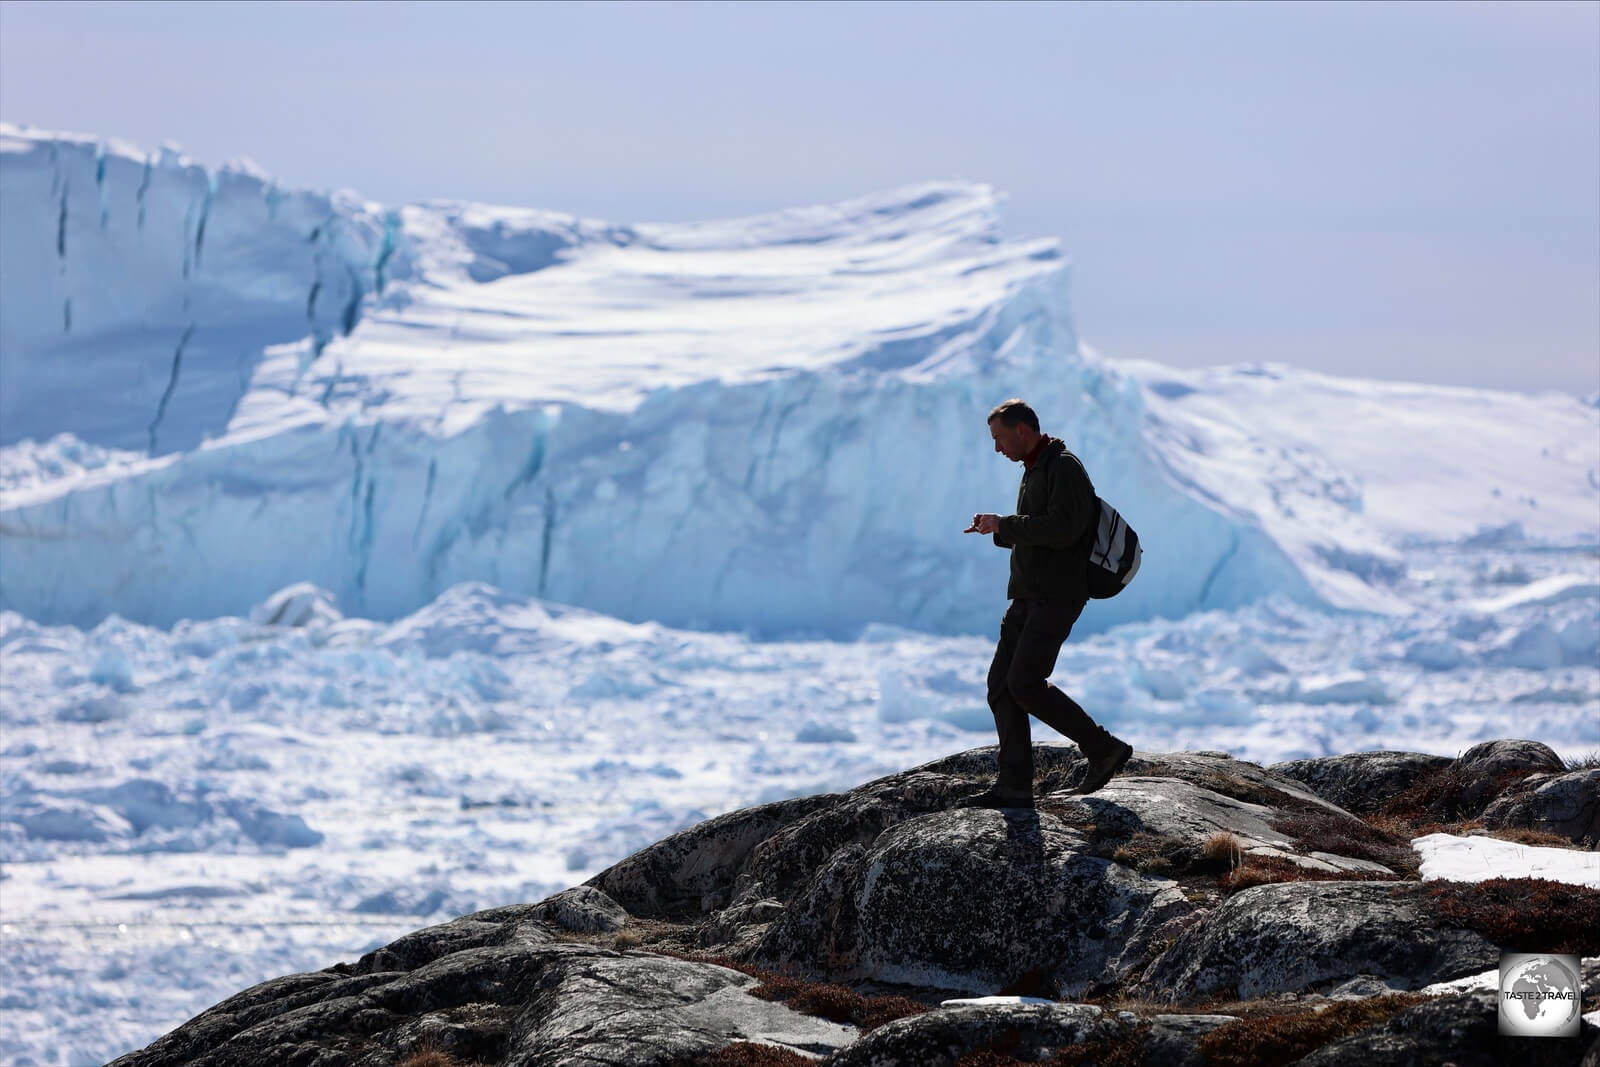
(1405,191)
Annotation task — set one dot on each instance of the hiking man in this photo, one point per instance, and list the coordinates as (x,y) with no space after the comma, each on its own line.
(1050,538)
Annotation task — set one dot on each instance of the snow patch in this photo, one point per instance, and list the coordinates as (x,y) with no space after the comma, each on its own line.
(1473,859)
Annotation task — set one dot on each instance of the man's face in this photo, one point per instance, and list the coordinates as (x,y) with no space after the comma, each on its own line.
(1011,441)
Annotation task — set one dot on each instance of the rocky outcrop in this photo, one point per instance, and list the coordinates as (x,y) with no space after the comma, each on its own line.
(974,901)
(1032,1032)
(691,872)
(700,940)
(1190,815)
(939,1039)
(1297,935)
(492,992)
(1459,1030)
(1509,754)
(581,909)
(1566,804)
(1408,783)
(1362,782)
(893,883)
(642,1009)
(1491,766)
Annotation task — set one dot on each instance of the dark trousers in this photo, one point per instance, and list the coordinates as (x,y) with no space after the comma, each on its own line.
(1030,639)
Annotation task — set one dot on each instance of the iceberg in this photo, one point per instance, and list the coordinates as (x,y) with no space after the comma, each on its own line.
(216,388)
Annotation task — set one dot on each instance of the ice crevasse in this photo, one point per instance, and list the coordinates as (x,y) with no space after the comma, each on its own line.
(214,387)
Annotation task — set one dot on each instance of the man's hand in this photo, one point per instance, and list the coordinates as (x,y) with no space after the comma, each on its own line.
(983,524)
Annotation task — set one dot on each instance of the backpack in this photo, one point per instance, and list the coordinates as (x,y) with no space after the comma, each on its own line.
(1114,557)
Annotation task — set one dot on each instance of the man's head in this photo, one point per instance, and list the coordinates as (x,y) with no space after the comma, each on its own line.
(1015,429)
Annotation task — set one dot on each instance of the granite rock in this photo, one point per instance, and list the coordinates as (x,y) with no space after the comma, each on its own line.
(1285,936)
(1362,782)
(973,901)
(1566,804)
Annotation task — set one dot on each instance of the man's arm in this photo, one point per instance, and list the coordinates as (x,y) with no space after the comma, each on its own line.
(1068,512)
(987,524)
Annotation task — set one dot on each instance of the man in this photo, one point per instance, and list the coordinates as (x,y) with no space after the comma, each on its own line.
(1049,537)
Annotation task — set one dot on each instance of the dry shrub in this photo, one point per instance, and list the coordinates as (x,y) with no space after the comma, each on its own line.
(836,1002)
(1174,857)
(824,1000)
(1274,1040)
(987,1057)
(1000,1051)
(1459,828)
(1587,762)
(1225,849)
(1527,835)
(625,940)
(1396,825)
(1436,794)
(1260,870)
(753,1054)
(1113,1001)
(1256,874)
(1523,914)
(1317,830)
(1154,853)
(1442,795)
(1125,1049)
(1056,779)
(430,1056)
(1240,788)
(1392,825)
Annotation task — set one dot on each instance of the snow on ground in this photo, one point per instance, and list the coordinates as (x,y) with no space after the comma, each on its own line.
(1473,859)
(1468,983)
(1489,980)
(231,799)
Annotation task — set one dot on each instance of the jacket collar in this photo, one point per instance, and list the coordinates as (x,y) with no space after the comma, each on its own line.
(1038,450)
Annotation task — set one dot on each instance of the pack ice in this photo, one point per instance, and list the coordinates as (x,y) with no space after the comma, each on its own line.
(216,387)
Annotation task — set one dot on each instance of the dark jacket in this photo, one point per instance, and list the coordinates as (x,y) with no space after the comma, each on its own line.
(1050,534)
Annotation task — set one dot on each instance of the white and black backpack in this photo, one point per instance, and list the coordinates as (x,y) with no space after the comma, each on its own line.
(1114,556)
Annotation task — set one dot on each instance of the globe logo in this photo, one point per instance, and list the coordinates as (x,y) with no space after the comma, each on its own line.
(1540,995)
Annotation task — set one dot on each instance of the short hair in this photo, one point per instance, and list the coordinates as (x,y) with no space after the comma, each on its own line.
(1014,412)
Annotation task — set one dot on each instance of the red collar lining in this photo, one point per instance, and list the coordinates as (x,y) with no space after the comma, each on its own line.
(1038,450)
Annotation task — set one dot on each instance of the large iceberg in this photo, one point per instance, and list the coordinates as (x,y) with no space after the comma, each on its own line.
(212,388)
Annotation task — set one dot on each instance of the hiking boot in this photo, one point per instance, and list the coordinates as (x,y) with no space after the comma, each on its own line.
(999,798)
(1103,766)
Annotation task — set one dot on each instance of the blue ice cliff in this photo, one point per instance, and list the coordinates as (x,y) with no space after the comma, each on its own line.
(212,387)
